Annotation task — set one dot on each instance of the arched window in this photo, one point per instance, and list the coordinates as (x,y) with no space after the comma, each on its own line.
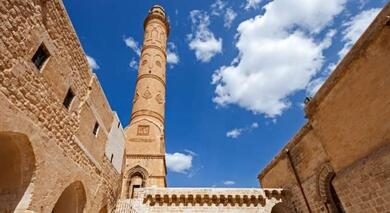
(327,191)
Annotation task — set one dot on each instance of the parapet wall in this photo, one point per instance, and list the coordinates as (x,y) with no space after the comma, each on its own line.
(202,200)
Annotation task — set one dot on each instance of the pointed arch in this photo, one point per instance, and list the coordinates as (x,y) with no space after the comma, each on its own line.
(326,190)
(17,166)
(72,199)
(135,178)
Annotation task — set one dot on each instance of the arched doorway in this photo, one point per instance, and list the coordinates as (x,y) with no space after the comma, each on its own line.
(72,199)
(327,191)
(136,178)
(17,165)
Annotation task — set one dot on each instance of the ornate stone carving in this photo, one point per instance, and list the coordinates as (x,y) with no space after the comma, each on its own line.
(159,98)
(147,94)
(143,130)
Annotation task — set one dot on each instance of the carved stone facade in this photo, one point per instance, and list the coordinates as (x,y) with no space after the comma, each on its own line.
(340,160)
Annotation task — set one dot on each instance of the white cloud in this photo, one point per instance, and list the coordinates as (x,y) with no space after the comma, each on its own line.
(217,7)
(252,4)
(133,64)
(278,55)
(202,40)
(130,42)
(355,27)
(229,17)
(92,63)
(229,182)
(172,56)
(235,133)
(179,162)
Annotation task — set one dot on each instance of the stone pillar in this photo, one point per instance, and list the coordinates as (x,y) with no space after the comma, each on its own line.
(145,139)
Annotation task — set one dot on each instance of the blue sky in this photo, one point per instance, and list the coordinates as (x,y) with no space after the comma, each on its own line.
(237,76)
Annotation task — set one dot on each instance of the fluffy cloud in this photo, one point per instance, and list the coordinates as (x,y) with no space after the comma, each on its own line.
(92,63)
(179,162)
(235,133)
(202,40)
(229,17)
(130,42)
(172,56)
(219,8)
(229,182)
(355,27)
(278,55)
(252,4)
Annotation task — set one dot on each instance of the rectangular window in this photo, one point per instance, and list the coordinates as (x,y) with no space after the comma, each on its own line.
(40,56)
(68,98)
(95,128)
(112,157)
(119,124)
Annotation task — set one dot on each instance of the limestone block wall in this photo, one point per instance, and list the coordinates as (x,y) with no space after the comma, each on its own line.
(63,147)
(341,156)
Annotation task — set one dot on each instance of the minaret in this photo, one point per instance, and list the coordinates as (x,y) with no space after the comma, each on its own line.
(145,139)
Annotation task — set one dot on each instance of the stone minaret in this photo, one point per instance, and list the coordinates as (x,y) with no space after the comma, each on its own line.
(145,139)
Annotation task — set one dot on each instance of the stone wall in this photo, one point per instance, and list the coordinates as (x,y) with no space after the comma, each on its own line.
(341,155)
(31,104)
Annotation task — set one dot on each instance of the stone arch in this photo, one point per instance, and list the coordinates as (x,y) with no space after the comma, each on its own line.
(72,199)
(280,208)
(17,166)
(326,190)
(136,178)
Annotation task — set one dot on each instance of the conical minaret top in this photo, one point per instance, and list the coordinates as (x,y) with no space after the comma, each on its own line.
(145,139)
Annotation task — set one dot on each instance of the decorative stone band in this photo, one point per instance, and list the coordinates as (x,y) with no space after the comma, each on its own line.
(159,17)
(207,196)
(146,156)
(148,75)
(144,112)
(151,46)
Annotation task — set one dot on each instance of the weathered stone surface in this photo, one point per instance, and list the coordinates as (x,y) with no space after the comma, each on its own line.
(345,143)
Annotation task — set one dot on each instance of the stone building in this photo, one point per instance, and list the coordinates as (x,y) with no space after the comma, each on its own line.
(63,149)
(339,161)
(144,178)
(61,145)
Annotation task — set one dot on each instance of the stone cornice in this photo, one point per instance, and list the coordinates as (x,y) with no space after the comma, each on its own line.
(152,46)
(148,75)
(144,112)
(159,17)
(208,196)
(145,156)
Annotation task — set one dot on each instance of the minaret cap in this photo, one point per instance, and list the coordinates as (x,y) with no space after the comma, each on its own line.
(157,11)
